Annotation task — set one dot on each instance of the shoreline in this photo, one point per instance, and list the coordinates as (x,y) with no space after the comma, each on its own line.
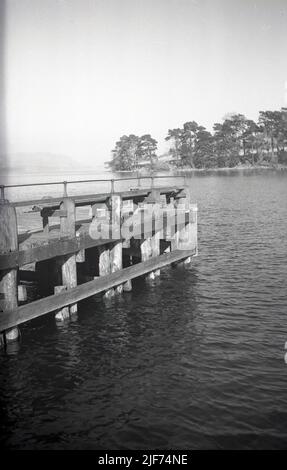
(236,168)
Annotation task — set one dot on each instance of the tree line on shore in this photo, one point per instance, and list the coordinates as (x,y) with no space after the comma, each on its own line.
(236,141)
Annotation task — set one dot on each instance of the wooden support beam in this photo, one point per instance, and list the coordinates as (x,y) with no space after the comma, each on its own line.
(43,306)
(66,246)
(49,250)
(9,278)
(53,212)
(27,275)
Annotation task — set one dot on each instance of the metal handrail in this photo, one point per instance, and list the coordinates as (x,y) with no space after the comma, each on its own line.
(65,183)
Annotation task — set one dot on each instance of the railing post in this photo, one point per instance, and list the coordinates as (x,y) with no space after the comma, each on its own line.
(65,188)
(2,195)
(112,186)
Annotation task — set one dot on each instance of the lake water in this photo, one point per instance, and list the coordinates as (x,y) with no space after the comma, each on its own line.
(193,361)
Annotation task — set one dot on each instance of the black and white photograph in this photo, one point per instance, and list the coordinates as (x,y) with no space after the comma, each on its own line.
(143,228)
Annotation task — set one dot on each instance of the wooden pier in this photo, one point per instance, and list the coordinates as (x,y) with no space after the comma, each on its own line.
(126,234)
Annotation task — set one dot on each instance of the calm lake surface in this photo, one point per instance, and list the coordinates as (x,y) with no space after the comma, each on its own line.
(193,361)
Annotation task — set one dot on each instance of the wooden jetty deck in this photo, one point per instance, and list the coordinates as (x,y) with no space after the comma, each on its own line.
(124,234)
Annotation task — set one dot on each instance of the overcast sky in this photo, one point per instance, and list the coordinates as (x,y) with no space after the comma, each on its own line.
(81,73)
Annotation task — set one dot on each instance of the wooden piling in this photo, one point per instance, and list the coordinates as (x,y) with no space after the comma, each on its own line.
(116,250)
(99,259)
(9,278)
(80,256)
(193,243)
(22,293)
(181,205)
(105,266)
(150,246)
(63,313)
(68,263)
(186,231)
(126,244)
(45,222)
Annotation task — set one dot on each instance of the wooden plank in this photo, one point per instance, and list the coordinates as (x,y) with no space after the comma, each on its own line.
(53,212)
(49,250)
(27,275)
(49,304)
(61,247)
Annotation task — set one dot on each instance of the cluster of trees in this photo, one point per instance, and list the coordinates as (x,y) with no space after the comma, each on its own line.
(237,140)
(130,151)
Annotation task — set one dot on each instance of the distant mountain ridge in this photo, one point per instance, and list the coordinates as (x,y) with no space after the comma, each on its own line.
(37,162)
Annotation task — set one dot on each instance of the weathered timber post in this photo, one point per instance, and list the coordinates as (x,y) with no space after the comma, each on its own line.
(22,293)
(62,313)
(180,205)
(68,263)
(100,229)
(193,228)
(8,278)
(150,246)
(116,250)
(168,225)
(45,221)
(126,243)
(81,256)
(186,223)
(105,266)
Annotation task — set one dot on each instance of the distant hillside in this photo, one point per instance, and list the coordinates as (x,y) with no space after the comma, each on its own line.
(37,162)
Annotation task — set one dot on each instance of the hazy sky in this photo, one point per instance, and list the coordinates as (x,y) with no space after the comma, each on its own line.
(81,73)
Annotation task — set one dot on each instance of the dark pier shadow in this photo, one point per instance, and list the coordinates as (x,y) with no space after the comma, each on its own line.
(3,142)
